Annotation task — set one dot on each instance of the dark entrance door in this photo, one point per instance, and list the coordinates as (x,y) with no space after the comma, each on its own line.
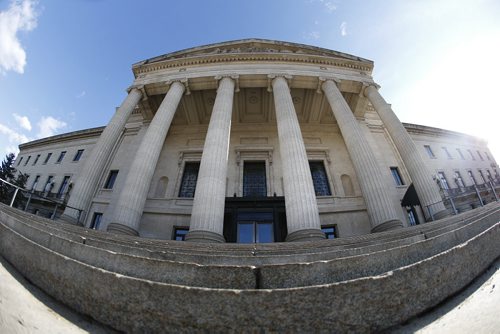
(255,220)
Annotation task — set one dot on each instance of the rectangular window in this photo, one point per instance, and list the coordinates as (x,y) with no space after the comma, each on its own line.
(47,158)
(472,177)
(61,157)
(189,179)
(48,185)
(429,152)
(330,231)
(320,179)
(460,154)
(33,187)
(471,155)
(254,179)
(19,161)
(36,159)
(479,155)
(180,233)
(110,182)
(447,152)
(444,182)
(487,156)
(397,176)
(459,180)
(27,160)
(78,155)
(488,175)
(63,187)
(96,220)
(482,175)
(412,217)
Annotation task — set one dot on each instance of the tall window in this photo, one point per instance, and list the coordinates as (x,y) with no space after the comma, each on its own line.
(36,159)
(479,155)
(397,176)
(96,221)
(47,158)
(472,177)
(412,217)
(189,179)
(460,154)
(487,156)
(180,233)
(482,175)
(254,179)
(320,179)
(488,174)
(442,179)
(330,231)
(447,152)
(19,161)
(78,155)
(63,187)
(110,182)
(429,152)
(471,155)
(61,157)
(255,227)
(27,160)
(48,185)
(459,180)
(37,178)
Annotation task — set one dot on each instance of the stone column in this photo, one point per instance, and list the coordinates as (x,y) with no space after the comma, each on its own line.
(302,213)
(128,211)
(381,209)
(86,183)
(421,176)
(207,217)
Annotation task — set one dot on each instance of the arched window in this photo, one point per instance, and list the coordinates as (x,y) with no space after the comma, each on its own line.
(161,187)
(347,185)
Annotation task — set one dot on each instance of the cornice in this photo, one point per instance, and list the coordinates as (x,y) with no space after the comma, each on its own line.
(142,69)
(80,134)
(429,130)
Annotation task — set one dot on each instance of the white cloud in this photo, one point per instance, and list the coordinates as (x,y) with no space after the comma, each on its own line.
(314,34)
(343,28)
(23,121)
(11,149)
(13,136)
(82,94)
(48,126)
(330,6)
(20,16)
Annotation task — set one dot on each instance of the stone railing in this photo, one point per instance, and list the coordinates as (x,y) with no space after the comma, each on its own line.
(362,284)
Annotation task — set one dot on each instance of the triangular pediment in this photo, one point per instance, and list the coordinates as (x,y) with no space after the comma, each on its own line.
(249,46)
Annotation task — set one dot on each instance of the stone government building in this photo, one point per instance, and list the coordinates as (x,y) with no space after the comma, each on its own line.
(255,142)
(258,141)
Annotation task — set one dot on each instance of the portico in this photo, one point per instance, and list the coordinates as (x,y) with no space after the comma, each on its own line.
(228,96)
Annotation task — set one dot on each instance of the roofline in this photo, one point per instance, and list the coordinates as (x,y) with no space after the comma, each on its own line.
(91,132)
(248,40)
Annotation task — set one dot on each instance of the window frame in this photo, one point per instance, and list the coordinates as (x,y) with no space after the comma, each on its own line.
(36,159)
(47,158)
(61,157)
(111,179)
(188,163)
(93,224)
(182,235)
(78,155)
(396,175)
(335,233)
(429,151)
(63,186)
(326,176)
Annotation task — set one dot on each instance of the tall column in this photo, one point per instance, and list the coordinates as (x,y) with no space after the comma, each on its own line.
(302,213)
(420,174)
(86,184)
(128,211)
(207,217)
(381,209)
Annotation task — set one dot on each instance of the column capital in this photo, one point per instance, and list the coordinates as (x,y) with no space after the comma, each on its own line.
(183,81)
(235,77)
(139,88)
(366,85)
(272,76)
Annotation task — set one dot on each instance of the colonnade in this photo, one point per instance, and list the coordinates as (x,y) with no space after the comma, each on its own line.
(207,216)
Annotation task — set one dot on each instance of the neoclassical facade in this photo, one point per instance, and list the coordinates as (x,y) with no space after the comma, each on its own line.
(255,141)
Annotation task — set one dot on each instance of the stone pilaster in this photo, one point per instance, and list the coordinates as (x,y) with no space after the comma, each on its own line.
(421,176)
(87,182)
(302,213)
(207,217)
(381,210)
(130,205)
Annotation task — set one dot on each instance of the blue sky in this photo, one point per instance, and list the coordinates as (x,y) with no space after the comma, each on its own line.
(65,65)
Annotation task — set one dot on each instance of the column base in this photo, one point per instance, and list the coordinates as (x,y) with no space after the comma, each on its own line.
(204,236)
(122,229)
(387,226)
(311,234)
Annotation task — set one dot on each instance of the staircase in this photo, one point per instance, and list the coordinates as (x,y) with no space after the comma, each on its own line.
(357,284)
